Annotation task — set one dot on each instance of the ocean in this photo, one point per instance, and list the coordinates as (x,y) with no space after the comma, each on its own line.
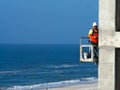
(37,67)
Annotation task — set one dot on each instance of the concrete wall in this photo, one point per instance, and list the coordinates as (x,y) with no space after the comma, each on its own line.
(109,43)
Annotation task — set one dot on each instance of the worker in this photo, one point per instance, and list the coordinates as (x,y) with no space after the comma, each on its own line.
(93,35)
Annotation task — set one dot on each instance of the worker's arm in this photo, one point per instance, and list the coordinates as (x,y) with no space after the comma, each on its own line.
(90,34)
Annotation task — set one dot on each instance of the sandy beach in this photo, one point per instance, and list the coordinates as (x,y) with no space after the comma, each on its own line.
(92,86)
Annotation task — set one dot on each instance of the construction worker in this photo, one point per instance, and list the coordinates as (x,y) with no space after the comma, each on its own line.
(93,35)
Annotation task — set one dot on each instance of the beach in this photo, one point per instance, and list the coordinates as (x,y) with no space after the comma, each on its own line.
(91,86)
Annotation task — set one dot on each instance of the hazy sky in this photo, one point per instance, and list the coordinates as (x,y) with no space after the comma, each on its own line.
(46,21)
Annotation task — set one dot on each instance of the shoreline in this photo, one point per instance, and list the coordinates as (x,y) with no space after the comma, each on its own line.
(89,86)
(77,86)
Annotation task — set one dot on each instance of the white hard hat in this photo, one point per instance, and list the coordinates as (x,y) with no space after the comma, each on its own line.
(94,24)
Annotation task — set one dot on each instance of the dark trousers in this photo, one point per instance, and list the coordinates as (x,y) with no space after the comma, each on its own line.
(96,52)
(95,48)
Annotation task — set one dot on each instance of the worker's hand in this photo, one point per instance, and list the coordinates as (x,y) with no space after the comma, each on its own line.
(94,37)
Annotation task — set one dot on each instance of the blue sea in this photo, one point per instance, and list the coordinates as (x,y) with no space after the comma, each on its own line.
(37,67)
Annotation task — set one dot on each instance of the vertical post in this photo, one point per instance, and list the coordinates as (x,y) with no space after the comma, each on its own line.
(109,43)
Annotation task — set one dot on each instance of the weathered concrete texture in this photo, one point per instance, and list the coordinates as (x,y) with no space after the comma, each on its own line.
(107,15)
(106,68)
(106,82)
(109,23)
(109,38)
(107,56)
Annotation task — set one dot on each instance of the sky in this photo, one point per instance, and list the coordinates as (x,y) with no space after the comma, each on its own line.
(46,21)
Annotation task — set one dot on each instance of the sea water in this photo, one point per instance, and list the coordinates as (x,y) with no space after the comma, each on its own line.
(36,67)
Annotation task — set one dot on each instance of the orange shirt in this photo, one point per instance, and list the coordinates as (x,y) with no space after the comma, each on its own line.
(93,35)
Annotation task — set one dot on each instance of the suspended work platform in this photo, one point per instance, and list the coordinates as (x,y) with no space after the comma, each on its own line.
(87,51)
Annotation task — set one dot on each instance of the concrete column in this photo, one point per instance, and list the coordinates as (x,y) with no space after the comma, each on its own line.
(109,43)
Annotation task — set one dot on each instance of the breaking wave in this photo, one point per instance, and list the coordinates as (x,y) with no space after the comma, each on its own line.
(64,66)
(8,72)
(54,84)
